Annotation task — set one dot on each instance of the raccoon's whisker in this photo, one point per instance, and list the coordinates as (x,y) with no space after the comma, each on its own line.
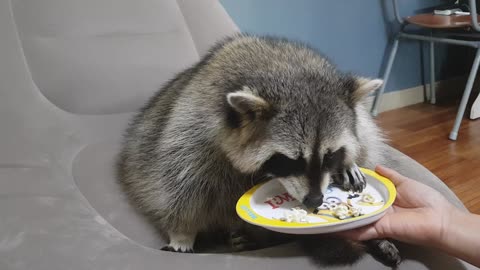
(252,179)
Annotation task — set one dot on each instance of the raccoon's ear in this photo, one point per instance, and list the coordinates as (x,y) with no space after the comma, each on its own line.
(248,104)
(363,87)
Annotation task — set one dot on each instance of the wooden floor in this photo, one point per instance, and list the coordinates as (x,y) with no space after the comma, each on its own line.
(421,131)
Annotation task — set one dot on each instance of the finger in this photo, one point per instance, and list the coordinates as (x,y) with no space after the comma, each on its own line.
(394,176)
(361,234)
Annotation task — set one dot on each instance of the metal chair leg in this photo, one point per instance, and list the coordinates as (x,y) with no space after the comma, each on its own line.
(433,94)
(466,94)
(391,58)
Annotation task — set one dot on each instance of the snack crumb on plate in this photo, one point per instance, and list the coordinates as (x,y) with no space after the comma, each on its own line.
(295,215)
(344,210)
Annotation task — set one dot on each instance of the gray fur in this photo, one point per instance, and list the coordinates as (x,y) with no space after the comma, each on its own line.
(205,137)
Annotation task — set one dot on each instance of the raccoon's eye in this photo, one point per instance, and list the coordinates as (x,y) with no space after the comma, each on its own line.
(333,160)
(281,166)
(328,156)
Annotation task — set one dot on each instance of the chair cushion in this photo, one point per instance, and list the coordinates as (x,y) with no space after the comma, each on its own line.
(89,58)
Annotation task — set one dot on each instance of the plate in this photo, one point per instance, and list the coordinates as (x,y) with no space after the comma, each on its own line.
(268,204)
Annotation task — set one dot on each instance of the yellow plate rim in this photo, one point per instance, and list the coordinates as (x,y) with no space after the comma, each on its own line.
(246,213)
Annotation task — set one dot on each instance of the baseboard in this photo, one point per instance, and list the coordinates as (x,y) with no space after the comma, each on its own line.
(399,99)
(418,94)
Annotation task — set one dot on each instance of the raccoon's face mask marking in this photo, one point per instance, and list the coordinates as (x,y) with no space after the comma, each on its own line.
(333,161)
(306,181)
(280,165)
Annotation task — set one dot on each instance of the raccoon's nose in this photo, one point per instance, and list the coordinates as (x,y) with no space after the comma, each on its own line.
(313,200)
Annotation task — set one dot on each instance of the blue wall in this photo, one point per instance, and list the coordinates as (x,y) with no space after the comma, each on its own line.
(354,34)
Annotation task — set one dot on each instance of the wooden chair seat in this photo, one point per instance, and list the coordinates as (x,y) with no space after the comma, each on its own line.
(440,21)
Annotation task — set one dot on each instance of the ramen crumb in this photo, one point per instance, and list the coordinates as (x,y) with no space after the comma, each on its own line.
(356,212)
(349,202)
(345,210)
(295,215)
(341,211)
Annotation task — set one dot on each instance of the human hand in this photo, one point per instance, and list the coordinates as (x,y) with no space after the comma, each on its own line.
(419,215)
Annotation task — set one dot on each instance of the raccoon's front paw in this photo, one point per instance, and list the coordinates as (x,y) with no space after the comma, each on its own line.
(352,179)
(384,251)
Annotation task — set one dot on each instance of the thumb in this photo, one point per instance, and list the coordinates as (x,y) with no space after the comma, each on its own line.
(394,176)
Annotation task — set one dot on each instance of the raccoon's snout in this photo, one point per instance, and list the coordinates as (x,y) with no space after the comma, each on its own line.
(313,200)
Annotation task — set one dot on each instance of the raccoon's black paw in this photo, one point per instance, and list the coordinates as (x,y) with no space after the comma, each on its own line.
(352,179)
(384,251)
(241,242)
(177,249)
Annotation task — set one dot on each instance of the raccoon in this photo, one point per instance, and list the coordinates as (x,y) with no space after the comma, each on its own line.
(254,108)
